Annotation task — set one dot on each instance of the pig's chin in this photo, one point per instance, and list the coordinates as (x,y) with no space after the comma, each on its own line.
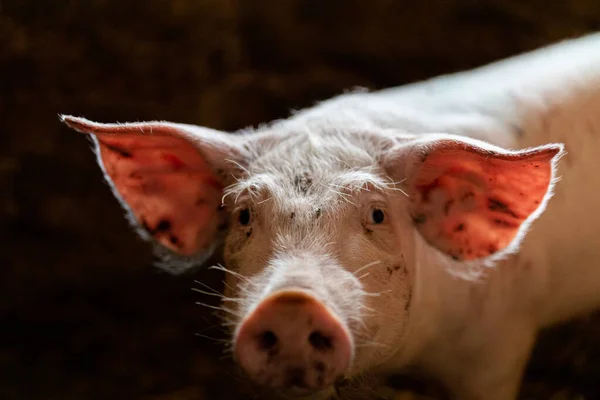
(298,393)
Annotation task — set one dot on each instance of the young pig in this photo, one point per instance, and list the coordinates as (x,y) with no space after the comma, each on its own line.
(407,228)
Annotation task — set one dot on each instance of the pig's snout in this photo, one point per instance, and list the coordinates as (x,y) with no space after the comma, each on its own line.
(292,341)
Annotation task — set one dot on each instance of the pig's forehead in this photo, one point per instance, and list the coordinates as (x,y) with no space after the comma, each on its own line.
(320,167)
(328,151)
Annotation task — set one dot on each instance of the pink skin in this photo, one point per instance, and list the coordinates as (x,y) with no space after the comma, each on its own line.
(292,341)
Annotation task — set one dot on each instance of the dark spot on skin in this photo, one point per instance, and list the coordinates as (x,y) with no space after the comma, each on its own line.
(447,206)
(174,240)
(249,232)
(536,166)
(163,225)
(426,189)
(521,194)
(394,268)
(368,231)
(459,227)
(403,269)
(497,205)
(454,257)
(467,196)
(536,202)
(419,219)
(292,215)
(201,201)
(135,175)
(223,175)
(303,183)
(518,131)
(492,248)
(123,153)
(504,223)
(408,300)
(318,213)
(319,366)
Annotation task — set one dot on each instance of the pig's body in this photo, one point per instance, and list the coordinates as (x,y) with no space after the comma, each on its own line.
(474,333)
(548,96)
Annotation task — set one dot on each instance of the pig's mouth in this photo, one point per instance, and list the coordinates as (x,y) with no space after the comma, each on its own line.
(293,392)
(292,343)
(298,392)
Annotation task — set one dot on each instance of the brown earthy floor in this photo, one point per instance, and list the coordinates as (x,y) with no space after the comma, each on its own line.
(83,314)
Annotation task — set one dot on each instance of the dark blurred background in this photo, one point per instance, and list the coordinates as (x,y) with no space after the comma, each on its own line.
(83,313)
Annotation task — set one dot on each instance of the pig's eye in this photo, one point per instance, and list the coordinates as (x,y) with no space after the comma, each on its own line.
(244,216)
(377,216)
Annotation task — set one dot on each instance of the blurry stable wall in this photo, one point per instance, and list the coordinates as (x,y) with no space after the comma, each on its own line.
(83,314)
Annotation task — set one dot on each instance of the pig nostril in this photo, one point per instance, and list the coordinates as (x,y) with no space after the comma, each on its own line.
(267,340)
(320,341)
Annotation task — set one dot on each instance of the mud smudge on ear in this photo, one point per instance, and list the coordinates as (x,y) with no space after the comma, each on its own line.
(122,152)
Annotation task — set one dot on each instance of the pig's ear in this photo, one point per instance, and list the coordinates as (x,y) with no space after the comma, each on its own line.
(472,200)
(169,178)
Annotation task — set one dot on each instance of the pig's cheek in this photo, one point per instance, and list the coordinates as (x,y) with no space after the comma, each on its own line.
(401,279)
(382,238)
(238,240)
(397,270)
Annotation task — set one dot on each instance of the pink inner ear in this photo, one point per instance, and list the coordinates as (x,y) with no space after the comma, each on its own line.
(470,203)
(168,186)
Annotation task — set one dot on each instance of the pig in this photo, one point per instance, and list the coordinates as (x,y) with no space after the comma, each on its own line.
(432,227)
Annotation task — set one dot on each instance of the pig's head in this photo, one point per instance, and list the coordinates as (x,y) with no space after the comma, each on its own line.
(322,232)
